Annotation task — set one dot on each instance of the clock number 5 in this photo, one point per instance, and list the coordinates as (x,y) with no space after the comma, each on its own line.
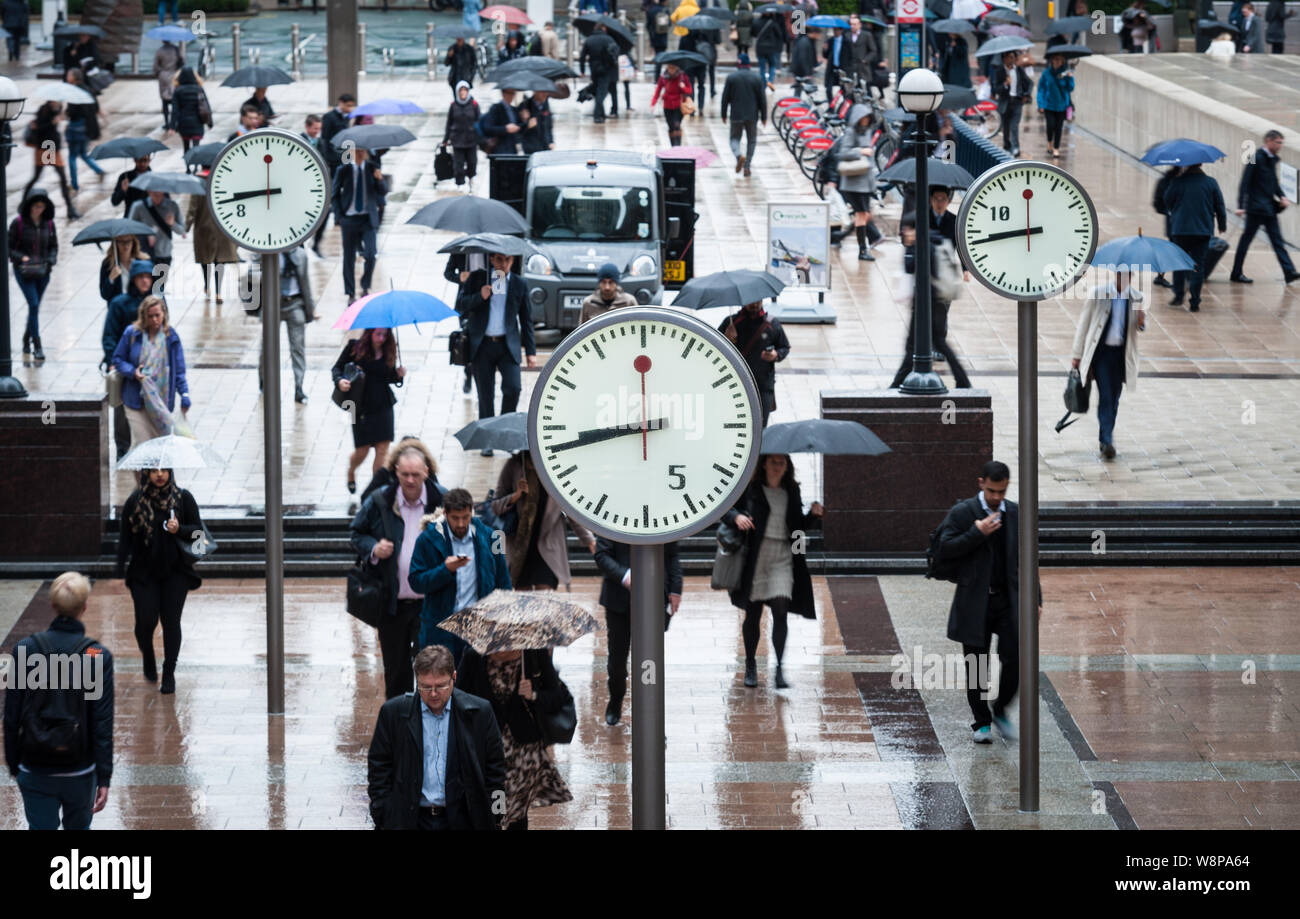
(680,477)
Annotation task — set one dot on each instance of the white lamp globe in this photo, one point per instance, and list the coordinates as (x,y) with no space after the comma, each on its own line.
(920,91)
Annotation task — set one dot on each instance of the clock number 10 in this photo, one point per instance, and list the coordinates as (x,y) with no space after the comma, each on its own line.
(1001,213)
(680,477)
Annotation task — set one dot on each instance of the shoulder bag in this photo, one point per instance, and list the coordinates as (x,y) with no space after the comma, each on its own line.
(560,725)
(1076,399)
(729,558)
(458,348)
(365,597)
(197,547)
(205,109)
(113,385)
(858,167)
(357,378)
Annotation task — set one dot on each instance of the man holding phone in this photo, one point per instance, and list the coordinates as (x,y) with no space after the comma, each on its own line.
(762,342)
(982,535)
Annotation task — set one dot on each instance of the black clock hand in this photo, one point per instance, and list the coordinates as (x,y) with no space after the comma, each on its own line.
(1009,234)
(241,195)
(597,435)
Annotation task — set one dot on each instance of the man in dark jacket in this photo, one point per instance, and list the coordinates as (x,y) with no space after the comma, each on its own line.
(862,45)
(332,122)
(769,41)
(503,123)
(762,342)
(745,97)
(16,22)
(658,23)
(539,130)
(1275,17)
(1260,200)
(259,101)
(803,56)
(123,193)
(1194,203)
(73,780)
(601,51)
(838,55)
(614,559)
(982,535)
(460,63)
(358,188)
(500,324)
(436,760)
(1012,90)
(83,53)
(384,532)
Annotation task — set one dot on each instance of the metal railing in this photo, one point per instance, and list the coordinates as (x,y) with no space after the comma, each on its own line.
(975,153)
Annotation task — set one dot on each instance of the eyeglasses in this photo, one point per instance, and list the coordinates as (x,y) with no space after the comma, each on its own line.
(438,689)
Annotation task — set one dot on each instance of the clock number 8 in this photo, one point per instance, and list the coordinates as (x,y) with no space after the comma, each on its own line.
(680,477)
(1001,213)
(240,210)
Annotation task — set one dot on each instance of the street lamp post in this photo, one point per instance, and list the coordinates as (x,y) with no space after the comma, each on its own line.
(11,106)
(921,92)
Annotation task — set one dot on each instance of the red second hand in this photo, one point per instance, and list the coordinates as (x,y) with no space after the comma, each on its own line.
(641,365)
(1029,193)
(267,160)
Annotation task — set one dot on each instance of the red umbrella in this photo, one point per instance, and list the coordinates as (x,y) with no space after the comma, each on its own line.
(507,14)
(701,156)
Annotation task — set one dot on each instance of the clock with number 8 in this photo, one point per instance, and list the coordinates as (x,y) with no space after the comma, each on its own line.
(645,425)
(1027,230)
(269,190)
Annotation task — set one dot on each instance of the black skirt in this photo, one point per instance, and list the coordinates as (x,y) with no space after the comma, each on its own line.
(374,427)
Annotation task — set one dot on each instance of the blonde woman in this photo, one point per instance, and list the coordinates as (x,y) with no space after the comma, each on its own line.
(151,359)
(113,270)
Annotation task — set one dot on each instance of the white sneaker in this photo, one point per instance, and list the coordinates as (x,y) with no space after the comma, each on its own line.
(1005,727)
(982,735)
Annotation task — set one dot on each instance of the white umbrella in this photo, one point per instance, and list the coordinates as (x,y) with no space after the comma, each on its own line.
(64,92)
(171,451)
(967,9)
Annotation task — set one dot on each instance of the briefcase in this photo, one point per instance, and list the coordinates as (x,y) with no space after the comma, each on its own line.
(458,348)
(1076,399)
(443,167)
(1214,253)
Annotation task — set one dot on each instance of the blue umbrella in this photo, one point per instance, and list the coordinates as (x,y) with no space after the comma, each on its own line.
(391,308)
(827,22)
(1182,152)
(170,33)
(1143,252)
(388,107)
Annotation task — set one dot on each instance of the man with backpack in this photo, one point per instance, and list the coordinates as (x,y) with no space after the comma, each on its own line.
(59,738)
(977,548)
(658,22)
(601,51)
(499,127)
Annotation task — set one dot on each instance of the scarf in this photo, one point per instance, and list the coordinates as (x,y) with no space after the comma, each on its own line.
(154,504)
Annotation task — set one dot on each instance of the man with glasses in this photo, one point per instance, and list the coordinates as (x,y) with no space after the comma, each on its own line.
(436,760)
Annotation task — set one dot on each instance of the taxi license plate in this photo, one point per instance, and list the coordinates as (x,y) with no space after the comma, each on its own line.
(675,270)
(573,301)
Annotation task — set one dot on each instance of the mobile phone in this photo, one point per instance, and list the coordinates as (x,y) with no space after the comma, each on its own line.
(463,558)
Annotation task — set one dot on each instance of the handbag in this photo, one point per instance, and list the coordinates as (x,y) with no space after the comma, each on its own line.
(357,378)
(32,270)
(365,597)
(1076,398)
(113,383)
(507,523)
(560,725)
(861,166)
(458,348)
(205,109)
(728,566)
(688,106)
(443,167)
(199,546)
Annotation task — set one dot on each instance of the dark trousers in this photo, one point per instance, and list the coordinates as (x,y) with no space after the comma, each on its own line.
(939,332)
(1197,247)
(1108,371)
(320,231)
(493,355)
(754,615)
(163,600)
(1011,110)
(1055,125)
(1000,620)
(45,795)
(357,234)
(1276,47)
(121,431)
(1269,223)
(619,627)
(464,161)
(602,86)
(397,637)
(33,290)
(63,181)
(750,130)
(429,822)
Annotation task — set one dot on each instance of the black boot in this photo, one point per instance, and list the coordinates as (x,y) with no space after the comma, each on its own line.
(613,712)
(36,349)
(780,678)
(27,343)
(168,678)
(751,673)
(150,666)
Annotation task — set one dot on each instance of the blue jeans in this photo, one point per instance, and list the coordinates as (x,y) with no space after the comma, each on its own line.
(33,290)
(75,135)
(162,8)
(768,65)
(44,795)
(1108,371)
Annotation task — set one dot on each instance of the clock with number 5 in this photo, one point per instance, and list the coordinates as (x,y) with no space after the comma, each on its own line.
(645,425)
(268,190)
(1027,230)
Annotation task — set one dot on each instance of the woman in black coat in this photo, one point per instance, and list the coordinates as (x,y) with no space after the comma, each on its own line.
(520,685)
(186,119)
(33,249)
(460,134)
(375,353)
(156,519)
(45,143)
(776,571)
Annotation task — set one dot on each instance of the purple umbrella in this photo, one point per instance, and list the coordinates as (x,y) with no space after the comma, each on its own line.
(1007,29)
(388,107)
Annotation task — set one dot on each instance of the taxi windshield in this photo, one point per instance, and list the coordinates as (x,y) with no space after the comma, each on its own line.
(605,212)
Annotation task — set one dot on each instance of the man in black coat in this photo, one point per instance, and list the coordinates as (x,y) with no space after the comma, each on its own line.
(358,188)
(763,344)
(499,323)
(75,54)
(862,45)
(601,51)
(460,63)
(981,535)
(454,782)
(1260,200)
(75,782)
(1194,204)
(503,123)
(614,559)
(803,56)
(1012,89)
(123,193)
(744,95)
(332,122)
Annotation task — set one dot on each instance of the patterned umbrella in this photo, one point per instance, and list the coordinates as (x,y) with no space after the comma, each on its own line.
(508,620)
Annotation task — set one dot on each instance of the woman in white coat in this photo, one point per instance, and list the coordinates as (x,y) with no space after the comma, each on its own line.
(1106,344)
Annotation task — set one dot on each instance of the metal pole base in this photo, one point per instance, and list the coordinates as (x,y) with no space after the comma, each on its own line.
(647,679)
(10,388)
(923,383)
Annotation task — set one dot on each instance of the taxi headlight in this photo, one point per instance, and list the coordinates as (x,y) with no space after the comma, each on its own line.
(644,266)
(538,264)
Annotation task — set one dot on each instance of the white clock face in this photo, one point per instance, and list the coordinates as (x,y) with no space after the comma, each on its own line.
(645,425)
(1027,230)
(268,190)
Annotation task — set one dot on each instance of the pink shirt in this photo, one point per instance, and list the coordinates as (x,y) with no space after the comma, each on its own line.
(411,514)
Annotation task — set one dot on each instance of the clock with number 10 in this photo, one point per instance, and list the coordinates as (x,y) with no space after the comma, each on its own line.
(1026,230)
(268,190)
(645,425)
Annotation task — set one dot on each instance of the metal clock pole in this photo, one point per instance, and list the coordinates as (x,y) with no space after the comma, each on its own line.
(1027,354)
(648,785)
(274,470)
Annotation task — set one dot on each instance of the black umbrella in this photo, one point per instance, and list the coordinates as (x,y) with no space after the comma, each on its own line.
(173,183)
(773,8)
(1214,25)
(681,57)
(902,116)
(941,8)
(718,12)
(728,288)
(1069,25)
(957,97)
(822,435)
(952,26)
(455,32)
(526,82)
(508,432)
(941,174)
(1069,51)
(257,75)
(101,231)
(586,24)
(470,214)
(700,22)
(489,243)
(87,29)
(130,148)
(373,136)
(542,66)
(1001,15)
(203,154)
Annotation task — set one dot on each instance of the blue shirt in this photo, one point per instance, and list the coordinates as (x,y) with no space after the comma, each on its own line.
(836,42)
(497,316)
(358,181)
(1002,507)
(1115,326)
(437,728)
(466,575)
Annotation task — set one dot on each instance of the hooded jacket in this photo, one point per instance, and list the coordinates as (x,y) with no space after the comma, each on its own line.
(36,240)
(461,118)
(848,147)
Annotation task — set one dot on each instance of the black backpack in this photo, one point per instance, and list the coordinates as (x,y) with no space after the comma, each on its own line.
(535,45)
(54,730)
(947,569)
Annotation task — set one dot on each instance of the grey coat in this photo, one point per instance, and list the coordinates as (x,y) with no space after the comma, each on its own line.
(162,246)
(848,148)
(166,64)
